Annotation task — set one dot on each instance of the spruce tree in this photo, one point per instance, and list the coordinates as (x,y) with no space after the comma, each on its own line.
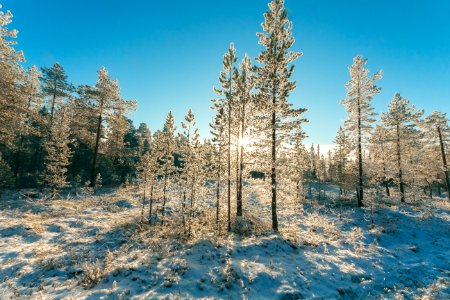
(57,153)
(360,90)
(274,86)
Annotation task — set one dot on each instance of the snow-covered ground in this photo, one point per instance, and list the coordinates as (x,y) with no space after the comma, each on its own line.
(94,248)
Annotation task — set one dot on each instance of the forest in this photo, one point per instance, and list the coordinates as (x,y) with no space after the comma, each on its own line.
(93,206)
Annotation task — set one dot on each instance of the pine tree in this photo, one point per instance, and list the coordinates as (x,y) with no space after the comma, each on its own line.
(32,123)
(6,178)
(165,145)
(360,90)
(144,139)
(244,106)
(56,87)
(147,171)
(83,126)
(12,76)
(189,157)
(299,160)
(343,149)
(195,172)
(218,133)
(56,91)
(380,157)
(402,119)
(312,159)
(111,108)
(226,79)
(438,132)
(118,126)
(274,85)
(58,152)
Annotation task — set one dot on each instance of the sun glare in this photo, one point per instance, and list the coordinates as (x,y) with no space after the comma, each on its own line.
(247,142)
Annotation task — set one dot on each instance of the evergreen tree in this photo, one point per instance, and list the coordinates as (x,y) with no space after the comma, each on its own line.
(190,162)
(12,77)
(380,157)
(360,90)
(299,162)
(144,139)
(218,133)
(226,79)
(274,86)
(32,123)
(402,119)
(56,87)
(110,108)
(438,133)
(83,126)
(147,172)
(58,153)
(244,100)
(343,149)
(165,145)
(6,175)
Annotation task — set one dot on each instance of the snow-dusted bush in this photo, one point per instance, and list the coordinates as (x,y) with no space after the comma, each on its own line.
(92,273)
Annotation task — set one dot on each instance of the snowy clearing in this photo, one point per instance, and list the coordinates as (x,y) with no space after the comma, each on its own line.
(94,249)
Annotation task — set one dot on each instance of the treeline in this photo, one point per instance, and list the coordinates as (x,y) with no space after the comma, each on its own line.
(57,136)
(54,134)
(402,149)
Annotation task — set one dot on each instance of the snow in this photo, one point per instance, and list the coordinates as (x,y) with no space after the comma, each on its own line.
(92,247)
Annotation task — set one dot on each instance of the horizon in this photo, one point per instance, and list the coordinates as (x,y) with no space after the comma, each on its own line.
(194,37)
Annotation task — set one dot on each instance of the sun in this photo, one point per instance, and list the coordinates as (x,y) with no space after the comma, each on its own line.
(247,142)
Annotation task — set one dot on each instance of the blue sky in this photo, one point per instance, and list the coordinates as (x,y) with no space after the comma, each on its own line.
(168,54)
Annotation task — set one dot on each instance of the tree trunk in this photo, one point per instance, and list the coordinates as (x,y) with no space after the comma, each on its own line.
(218,186)
(386,184)
(444,161)
(163,210)
(360,191)
(273,175)
(192,195)
(241,165)
(229,155)
(151,204)
(20,147)
(17,156)
(97,143)
(143,200)
(399,165)
(52,110)
(238,201)
(192,203)
(183,211)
